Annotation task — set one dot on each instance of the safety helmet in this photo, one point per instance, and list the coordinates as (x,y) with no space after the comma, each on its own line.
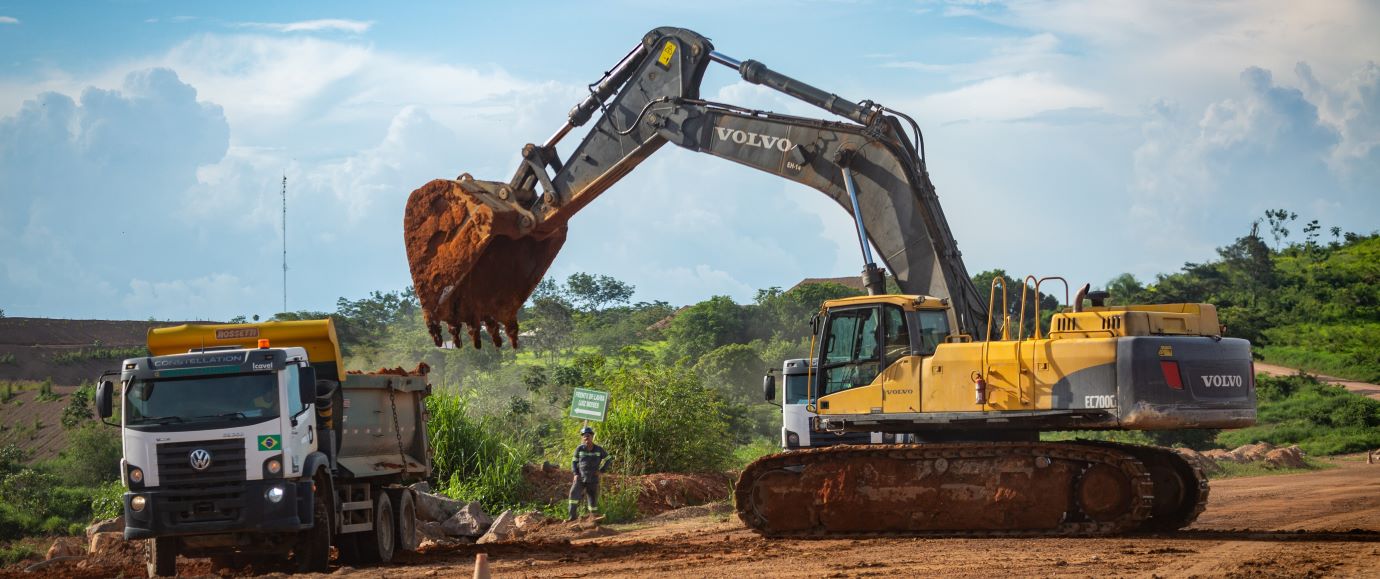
(587,430)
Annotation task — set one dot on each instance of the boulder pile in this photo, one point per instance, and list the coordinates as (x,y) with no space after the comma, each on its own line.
(442,521)
(1260,452)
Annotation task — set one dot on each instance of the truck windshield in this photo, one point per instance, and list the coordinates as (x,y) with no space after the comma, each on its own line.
(201,398)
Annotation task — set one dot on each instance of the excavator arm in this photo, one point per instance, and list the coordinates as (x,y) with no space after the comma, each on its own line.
(477,248)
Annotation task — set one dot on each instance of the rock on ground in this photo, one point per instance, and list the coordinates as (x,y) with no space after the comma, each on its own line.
(65,547)
(503,529)
(469,521)
(432,507)
(106,526)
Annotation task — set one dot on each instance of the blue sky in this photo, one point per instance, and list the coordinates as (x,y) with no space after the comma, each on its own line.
(142,144)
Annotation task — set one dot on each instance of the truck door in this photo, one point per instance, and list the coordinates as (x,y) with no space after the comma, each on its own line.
(299,438)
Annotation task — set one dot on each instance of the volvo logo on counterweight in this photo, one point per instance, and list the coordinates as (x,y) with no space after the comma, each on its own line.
(200,459)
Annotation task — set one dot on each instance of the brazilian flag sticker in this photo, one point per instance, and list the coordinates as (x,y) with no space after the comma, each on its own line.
(270,442)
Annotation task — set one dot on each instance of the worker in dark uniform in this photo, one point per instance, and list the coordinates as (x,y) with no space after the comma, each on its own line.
(590,460)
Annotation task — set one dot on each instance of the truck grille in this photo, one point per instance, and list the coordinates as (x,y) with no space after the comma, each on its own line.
(198,496)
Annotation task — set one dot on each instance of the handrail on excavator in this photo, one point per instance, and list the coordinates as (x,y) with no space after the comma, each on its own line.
(1005,309)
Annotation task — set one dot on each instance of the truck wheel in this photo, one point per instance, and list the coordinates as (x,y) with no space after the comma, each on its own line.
(407,522)
(162,557)
(347,546)
(313,550)
(376,546)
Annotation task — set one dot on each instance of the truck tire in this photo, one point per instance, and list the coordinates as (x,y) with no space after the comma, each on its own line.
(312,554)
(162,557)
(376,545)
(347,546)
(407,521)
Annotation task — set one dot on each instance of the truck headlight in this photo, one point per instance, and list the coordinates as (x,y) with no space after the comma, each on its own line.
(138,503)
(275,466)
(792,439)
(136,475)
(274,494)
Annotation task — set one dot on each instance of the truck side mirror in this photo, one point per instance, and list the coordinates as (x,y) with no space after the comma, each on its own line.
(104,392)
(105,401)
(769,387)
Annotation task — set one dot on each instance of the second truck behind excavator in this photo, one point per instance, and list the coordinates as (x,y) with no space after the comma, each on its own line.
(933,361)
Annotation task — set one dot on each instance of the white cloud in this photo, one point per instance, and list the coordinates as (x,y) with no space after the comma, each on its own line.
(8,20)
(1007,97)
(325,24)
(212,296)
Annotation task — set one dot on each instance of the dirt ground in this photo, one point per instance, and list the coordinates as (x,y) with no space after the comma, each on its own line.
(1324,523)
(1317,524)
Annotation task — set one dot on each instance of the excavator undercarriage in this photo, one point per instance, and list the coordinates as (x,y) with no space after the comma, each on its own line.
(971,488)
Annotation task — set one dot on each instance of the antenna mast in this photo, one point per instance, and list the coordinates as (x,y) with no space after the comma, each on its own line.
(285,243)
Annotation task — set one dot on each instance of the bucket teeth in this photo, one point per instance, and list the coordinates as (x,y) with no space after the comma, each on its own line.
(475,256)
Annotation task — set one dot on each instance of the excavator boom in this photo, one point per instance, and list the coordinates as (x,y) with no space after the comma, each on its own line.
(477,248)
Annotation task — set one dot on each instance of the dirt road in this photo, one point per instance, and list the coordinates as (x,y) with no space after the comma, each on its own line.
(1363,388)
(1316,515)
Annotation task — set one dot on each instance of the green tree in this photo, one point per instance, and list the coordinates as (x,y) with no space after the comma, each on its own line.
(704,326)
(594,292)
(78,410)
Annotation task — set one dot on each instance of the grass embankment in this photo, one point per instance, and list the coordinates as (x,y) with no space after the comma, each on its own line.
(1342,350)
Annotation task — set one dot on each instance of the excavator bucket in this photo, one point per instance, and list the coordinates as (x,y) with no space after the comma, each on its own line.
(475,256)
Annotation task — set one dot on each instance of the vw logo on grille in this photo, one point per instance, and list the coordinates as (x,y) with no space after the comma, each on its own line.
(200,459)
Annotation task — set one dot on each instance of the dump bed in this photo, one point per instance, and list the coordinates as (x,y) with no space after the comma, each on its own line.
(383,426)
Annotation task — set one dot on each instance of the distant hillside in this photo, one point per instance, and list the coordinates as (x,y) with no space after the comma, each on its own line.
(69,352)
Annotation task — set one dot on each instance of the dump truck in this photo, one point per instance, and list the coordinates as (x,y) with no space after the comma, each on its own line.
(244,441)
(933,360)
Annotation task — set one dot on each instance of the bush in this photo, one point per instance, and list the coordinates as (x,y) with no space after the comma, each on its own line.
(1320,418)
(108,501)
(28,490)
(18,552)
(78,410)
(660,419)
(91,458)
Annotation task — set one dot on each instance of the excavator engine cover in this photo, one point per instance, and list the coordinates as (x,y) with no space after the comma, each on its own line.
(475,256)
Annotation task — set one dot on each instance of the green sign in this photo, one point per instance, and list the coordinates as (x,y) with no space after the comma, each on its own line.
(589,404)
(270,442)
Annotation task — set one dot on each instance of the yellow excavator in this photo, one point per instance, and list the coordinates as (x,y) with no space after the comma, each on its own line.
(933,361)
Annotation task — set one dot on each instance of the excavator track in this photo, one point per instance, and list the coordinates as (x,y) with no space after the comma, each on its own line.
(1181,487)
(953,489)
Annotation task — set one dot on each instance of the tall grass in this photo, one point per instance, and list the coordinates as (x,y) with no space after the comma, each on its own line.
(472,460)
(618,500)
(744,454)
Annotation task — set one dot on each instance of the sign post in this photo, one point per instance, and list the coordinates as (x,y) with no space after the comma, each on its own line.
(589,404)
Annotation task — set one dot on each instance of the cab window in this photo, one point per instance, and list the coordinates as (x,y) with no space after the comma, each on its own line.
(852,356)
(934,328)
(897,338)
